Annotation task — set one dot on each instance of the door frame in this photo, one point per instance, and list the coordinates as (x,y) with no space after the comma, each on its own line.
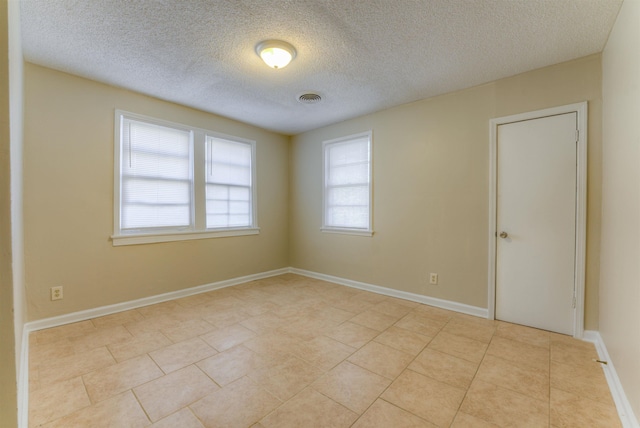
(581,205)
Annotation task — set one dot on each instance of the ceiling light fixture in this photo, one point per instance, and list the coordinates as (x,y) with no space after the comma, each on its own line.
(276,53)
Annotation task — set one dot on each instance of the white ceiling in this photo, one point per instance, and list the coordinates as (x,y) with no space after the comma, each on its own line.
(360,55)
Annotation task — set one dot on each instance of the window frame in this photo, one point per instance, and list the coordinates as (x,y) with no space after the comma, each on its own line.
(197,229)
(368,231)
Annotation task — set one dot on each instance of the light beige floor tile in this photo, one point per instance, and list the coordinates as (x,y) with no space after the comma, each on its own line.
(434,313)
(435,401)
(120,411)
(34,379)
(166,395)
(458,346)
(258,307)
(333,315)
(187,329)
(381,359)
(322,352)
(105,383)
(504,407)
(367,296)
(582,380)
(374,319)
(100,337)
(179,355)
(445,368)
(471,329)
(392,308)
(307,328)
(234,363)
(573,352)
(181,419)
(569,410)
(403,340)
(385,415)
(352,334)
(353,305)
(569,340)
(46,404)
(352,386)
(239,404)
(66,331)
(290,311)
(76,365)
(154,324)
(273,345)
(119,318)
(164,308)
(475,319)
(286,379)
(403,302)
(224,318)
(310,409)
(304,328)
(49,353)
(265,323)
(464,420)
(422,323)
(520,333)
(522,353)
(138,345)
(228,337)
(528,381)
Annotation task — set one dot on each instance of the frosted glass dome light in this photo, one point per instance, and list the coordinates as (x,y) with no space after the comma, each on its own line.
(276,53)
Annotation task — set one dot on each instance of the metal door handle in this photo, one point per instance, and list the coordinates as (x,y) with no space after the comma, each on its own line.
(504,235)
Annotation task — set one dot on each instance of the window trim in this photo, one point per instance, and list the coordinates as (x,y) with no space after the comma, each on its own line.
(198,229)
(368,231)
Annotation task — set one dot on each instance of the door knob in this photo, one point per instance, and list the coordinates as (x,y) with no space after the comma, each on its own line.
(504,235)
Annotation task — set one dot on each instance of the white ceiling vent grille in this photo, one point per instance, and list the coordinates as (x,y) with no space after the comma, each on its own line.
(309,98)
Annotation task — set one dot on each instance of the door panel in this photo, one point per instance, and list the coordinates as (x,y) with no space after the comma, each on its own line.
(536,208)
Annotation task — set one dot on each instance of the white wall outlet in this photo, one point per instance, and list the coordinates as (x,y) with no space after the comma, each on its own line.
(56,293)
(433,278)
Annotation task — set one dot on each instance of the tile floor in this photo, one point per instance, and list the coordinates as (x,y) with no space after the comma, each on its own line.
(291,351)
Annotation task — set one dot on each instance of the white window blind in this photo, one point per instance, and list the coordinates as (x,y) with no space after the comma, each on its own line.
(229,182)
(347,188)
(156,176)
(175,182)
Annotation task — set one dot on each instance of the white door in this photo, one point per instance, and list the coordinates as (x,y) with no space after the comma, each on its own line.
(536,222)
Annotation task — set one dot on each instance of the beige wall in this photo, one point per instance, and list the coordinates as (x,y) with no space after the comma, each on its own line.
(8,391)
(620,276)
(68,196)
(430,174)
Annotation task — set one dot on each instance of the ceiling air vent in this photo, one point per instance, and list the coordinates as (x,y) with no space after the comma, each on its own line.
(309,98)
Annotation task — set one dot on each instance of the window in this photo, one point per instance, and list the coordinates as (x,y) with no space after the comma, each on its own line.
(174,182)
(228,183)
(347,185)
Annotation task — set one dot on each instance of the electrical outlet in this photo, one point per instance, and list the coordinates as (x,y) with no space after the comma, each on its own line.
(56,293)
(433,278)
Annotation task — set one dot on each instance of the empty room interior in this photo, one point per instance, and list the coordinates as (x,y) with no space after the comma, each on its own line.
(427,215)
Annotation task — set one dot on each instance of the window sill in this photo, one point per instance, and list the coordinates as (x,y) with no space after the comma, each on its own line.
(132,239)
(346,231)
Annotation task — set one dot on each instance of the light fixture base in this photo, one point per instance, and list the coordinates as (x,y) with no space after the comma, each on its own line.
(276,53)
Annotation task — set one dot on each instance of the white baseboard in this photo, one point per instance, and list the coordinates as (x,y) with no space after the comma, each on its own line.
(431,301)
(625,411)
(23,382)
(624,408)
(146,301)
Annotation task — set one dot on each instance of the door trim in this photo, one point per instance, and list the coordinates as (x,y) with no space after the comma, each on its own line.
(581,205)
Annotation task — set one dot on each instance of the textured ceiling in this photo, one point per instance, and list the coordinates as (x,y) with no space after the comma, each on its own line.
(360,55)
